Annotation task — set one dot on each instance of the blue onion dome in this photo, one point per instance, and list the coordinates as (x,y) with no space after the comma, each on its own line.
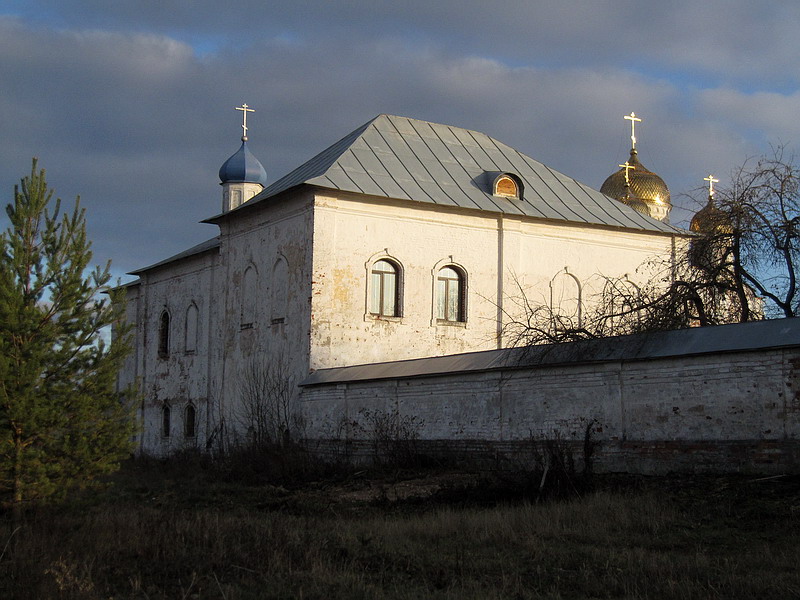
(243,167)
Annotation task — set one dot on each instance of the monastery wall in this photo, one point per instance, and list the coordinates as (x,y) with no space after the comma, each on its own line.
(181,373)
(723,411)
(250,299)
(560,263)
(265,276)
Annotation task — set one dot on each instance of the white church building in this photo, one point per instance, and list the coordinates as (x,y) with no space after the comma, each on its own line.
(404,239)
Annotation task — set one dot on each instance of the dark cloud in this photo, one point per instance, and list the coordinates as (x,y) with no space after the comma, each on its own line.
(131,104)
(737,39)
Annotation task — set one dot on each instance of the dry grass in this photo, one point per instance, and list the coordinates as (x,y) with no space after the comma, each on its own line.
(194,536)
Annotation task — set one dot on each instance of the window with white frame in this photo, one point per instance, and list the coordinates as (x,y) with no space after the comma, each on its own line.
(450,295)
(384,289)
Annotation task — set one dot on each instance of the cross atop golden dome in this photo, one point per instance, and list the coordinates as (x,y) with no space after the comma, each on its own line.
(635,181)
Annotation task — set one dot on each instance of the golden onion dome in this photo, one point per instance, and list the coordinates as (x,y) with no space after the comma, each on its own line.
(644,185)
(636,204)
(710,219)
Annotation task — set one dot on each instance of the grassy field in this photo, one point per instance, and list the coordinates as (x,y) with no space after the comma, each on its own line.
(192,530)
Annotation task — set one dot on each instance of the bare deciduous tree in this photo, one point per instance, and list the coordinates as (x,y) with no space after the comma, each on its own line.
(266,391)
(762,241)
(741,265)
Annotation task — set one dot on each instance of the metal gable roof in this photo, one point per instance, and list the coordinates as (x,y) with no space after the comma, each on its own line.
(407,159)
(194,250)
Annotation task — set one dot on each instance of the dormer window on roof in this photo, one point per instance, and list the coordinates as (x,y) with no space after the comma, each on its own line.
(507,185)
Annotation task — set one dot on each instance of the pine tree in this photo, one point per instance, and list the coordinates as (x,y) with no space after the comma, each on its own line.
(62,421)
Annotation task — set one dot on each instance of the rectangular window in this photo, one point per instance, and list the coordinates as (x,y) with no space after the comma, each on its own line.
(450,295)
(383,289)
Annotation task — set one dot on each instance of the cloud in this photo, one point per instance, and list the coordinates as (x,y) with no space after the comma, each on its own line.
(132,106)
(766,116)
(717,40)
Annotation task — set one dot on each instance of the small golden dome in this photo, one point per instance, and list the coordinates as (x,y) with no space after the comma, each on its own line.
(643,184)
(710,219)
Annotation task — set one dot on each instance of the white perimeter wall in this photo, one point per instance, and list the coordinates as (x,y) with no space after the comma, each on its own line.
(732,411)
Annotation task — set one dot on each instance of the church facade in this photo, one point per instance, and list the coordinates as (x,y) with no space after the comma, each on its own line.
(405,239)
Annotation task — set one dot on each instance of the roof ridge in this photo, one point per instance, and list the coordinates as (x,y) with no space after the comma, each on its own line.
(404,158)
(335,150)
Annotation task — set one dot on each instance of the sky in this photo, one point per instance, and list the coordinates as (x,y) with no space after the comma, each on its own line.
(130,104)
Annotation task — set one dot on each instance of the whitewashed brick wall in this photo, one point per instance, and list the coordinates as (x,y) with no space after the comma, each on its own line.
(724,411)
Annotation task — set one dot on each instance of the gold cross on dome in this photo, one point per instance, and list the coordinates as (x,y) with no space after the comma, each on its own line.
(627,166)
(244,108)
(711,181)
(633,119)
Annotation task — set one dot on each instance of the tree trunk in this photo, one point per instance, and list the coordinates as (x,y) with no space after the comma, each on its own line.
(16,501)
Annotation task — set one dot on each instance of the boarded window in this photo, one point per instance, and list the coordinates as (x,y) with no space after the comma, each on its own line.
(280,290)
(166,425)
(248,297)
(565,300)
(189,421)
(507,187)
(621,296)
(163,335)
(191,328)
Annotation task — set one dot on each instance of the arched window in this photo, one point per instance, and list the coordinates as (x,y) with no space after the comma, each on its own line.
(189,421)
(450,295)
(163,335)
(166,426)
(280,290)
(191,328)
(384,299)
(565,300)
(621,296)
(248,297)
(507,185)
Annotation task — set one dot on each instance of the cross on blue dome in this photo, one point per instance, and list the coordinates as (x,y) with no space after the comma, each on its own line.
(243,167)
